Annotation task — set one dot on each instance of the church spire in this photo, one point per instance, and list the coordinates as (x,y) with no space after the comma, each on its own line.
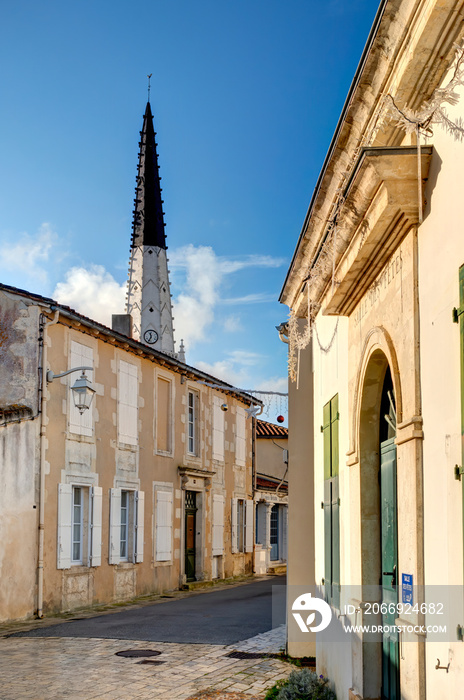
(148,294)
(148,223)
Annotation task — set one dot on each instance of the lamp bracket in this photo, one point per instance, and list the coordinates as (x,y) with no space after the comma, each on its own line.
(51,376)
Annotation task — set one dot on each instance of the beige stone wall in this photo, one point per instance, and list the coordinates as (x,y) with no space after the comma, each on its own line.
(301,522)
(441,253)
(269,456)
(102,461)
(19,457)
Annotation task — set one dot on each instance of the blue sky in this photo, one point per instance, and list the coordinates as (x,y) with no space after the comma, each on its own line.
(246,96)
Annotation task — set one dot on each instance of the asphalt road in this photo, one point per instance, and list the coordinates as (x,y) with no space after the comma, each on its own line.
(215,617)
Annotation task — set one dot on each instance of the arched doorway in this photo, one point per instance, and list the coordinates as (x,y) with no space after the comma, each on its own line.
(379,522)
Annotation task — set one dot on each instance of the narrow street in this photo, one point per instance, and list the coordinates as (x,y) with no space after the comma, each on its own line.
(177,649)
(213,617)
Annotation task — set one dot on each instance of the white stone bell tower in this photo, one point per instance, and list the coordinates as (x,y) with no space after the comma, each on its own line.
(148,294)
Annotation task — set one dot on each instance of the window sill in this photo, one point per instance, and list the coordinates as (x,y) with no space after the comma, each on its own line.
(77,437)
(162,453)
(124,565)
(126,446)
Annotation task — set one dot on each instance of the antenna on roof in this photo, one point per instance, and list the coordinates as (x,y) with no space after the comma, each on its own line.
(149,76)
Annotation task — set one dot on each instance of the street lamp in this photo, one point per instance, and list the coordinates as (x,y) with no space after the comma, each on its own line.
(82,389)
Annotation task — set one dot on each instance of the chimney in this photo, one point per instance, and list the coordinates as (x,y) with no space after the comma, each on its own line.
(122,323)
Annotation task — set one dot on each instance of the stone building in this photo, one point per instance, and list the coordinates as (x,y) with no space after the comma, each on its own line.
(271,498)
(147,489)
(376,295)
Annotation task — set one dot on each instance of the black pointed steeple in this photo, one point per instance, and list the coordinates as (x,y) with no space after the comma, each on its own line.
(148,224)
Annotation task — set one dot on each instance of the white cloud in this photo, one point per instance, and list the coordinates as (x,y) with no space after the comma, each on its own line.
(28,255)
(227,371)
(205,273)
(259,298)
(194,307)
(92,292)
(232,324)
(228,265)
(273,384)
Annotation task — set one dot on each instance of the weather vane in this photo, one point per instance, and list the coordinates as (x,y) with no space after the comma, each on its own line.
(149,76)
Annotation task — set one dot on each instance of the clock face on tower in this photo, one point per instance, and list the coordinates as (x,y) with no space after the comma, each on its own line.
(150,337)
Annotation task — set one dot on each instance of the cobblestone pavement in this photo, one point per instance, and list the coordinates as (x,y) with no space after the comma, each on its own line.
(87,669)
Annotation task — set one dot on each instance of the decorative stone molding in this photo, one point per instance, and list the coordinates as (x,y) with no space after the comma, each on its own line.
(381,205)
(15,413)
(377,338)
(199,478)
(409,430)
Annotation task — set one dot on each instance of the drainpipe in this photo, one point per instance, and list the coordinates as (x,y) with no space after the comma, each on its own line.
(253,456)
(43,421)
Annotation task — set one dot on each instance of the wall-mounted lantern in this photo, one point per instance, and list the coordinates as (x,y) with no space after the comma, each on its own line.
(82,389)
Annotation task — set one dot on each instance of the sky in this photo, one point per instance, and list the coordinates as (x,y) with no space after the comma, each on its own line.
(246,96)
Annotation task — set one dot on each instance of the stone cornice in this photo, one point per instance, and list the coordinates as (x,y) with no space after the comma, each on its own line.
(381,205)
(408,56)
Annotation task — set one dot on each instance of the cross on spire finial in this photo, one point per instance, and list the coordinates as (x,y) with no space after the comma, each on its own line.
(149,76)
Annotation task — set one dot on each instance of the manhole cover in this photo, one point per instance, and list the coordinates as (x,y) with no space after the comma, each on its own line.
(137,653)
(251,655)
(152,663)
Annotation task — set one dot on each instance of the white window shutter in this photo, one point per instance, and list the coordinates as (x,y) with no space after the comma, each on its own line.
(139,527)
(249,522)
(64,526)
(163,525)
(218,525)
(96,526)
(218,429)
(127,403)
(81,356)
(115,526)
(240,437)
(233,518)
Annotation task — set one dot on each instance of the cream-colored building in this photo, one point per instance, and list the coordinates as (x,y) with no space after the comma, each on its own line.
(148,489)
(376,289)
(271,498)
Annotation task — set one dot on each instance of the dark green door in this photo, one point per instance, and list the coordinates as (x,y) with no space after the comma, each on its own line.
(389,544)
(190,528)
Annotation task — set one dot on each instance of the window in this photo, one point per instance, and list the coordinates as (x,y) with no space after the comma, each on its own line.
(218,525)
(240,437)
(163,522)
(242,525)
(126,526)
(193,423)
(79,526)
(163,415)
(331,502)
(218,429)
(124,540)
(127,403)
(81,356)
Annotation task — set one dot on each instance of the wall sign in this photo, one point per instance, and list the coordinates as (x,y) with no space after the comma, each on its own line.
(407,592)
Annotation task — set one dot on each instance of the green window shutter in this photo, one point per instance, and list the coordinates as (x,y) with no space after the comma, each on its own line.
(328,539)
(330,429)
(327,449)
(334,420)
(335,544)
